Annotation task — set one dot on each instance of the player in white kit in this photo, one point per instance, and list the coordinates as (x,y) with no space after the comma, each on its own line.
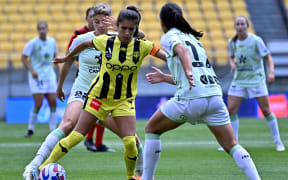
(198,97)
(246,52)
(42,78)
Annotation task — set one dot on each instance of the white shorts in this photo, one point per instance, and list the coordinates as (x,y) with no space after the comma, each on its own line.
(209,110)
(42,86)
(77,96)
(248,92)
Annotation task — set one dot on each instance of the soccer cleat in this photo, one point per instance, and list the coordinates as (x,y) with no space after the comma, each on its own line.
(103,148)
(220,149)
(90,145)
(31,173)
(279,146)
(29,133)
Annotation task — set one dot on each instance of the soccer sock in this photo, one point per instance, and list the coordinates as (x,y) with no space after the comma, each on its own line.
(47,146)
(62,147)
(99,135)
(273,126)
(152,150)
(130,155)
(91,133)
(32,119)
(53,119)
(235,124)
(139,165)
(244,161)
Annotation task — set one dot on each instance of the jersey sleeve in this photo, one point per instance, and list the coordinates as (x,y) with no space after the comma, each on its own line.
(230,48)
(99,41)
(263,50)
(74,44)
(169,41)
(28,48)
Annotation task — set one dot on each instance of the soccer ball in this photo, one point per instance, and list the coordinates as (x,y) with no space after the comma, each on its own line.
(53,171)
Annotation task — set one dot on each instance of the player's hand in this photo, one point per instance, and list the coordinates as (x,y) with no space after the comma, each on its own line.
(155,77)
(59,59)
(60,94)
(110,22)
(233,66)
(190,79)
(34,74)
(270,78)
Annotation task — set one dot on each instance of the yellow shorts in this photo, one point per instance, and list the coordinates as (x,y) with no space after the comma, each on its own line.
(101,108)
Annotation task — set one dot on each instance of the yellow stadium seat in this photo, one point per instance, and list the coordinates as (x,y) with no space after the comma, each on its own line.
(26,9)
(7,27)
(31,19)
(60,18)
(15,18)
(6,47)
(16,60)
(53,28)
(19,46)
(159,5)
(22,28)
(216,34)
(65,27)
(55,8)
(16,37)
(223,5)
(230,33)
(4,19)
(4,36)
(226,15)
(146,61)
(72,8)
(207,5)
(45,17)
(4,61)
(221,58)
(220,44)
(76,18)
(31,35)
(10,9)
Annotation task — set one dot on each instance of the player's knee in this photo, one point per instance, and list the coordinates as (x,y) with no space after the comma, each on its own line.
(68,124)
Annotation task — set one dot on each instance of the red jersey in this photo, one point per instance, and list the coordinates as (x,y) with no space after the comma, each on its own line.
(82,30)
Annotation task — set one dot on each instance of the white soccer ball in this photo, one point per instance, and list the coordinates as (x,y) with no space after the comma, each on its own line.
(52,171)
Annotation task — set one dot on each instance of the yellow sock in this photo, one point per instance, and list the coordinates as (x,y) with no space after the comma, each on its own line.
(130,155)
(62,147)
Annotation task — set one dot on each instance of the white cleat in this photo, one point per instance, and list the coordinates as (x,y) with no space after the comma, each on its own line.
(220,149)
(279,146)
(139,165)
(31,173)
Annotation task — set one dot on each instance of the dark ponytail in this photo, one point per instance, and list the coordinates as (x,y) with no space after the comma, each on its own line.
(172,16)
(130,13)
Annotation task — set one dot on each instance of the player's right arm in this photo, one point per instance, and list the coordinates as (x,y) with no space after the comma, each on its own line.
(63,73)
(76,50)
(25,61)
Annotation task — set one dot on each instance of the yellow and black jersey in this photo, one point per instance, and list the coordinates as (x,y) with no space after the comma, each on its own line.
(120,64)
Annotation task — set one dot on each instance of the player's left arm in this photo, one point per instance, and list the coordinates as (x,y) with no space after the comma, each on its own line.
(271,75)
(183,54)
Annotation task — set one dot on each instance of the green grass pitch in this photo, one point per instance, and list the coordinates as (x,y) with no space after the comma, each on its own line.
(188,153)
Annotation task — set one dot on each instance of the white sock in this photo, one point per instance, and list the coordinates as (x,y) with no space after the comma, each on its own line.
(273,126)
(139,165)
(32,120)
(152,151)
(53,121)
(245,162)
(235,124)
(47,146)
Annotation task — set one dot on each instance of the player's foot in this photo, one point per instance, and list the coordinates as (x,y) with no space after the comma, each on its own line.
(29,133)
(139,165)
(90,145)
(279,146)
(31,173)
(221,149)
(104,148)
(135,178)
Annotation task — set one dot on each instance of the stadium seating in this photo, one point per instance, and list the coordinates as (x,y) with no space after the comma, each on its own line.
(18,20)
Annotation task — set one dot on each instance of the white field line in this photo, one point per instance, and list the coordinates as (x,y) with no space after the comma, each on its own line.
(164,144)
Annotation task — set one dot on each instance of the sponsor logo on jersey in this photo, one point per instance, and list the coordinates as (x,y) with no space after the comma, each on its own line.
(95,104)
(117,67)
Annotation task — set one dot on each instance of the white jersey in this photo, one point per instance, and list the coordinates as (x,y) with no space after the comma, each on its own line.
(89,63)
(41,55)
(248,54)
(204,77)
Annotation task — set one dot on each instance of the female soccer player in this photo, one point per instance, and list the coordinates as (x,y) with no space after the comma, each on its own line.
(89,67)
(42,78)
(198,97)
(114,89)
(245,54)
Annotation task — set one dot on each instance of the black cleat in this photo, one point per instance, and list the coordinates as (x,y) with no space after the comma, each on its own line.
(90,145)
(104,148)
(29,133)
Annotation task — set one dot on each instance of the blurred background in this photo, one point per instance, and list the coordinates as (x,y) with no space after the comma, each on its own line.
(18,19)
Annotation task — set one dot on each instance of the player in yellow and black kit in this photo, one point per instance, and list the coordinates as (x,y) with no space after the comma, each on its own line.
(114,89)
